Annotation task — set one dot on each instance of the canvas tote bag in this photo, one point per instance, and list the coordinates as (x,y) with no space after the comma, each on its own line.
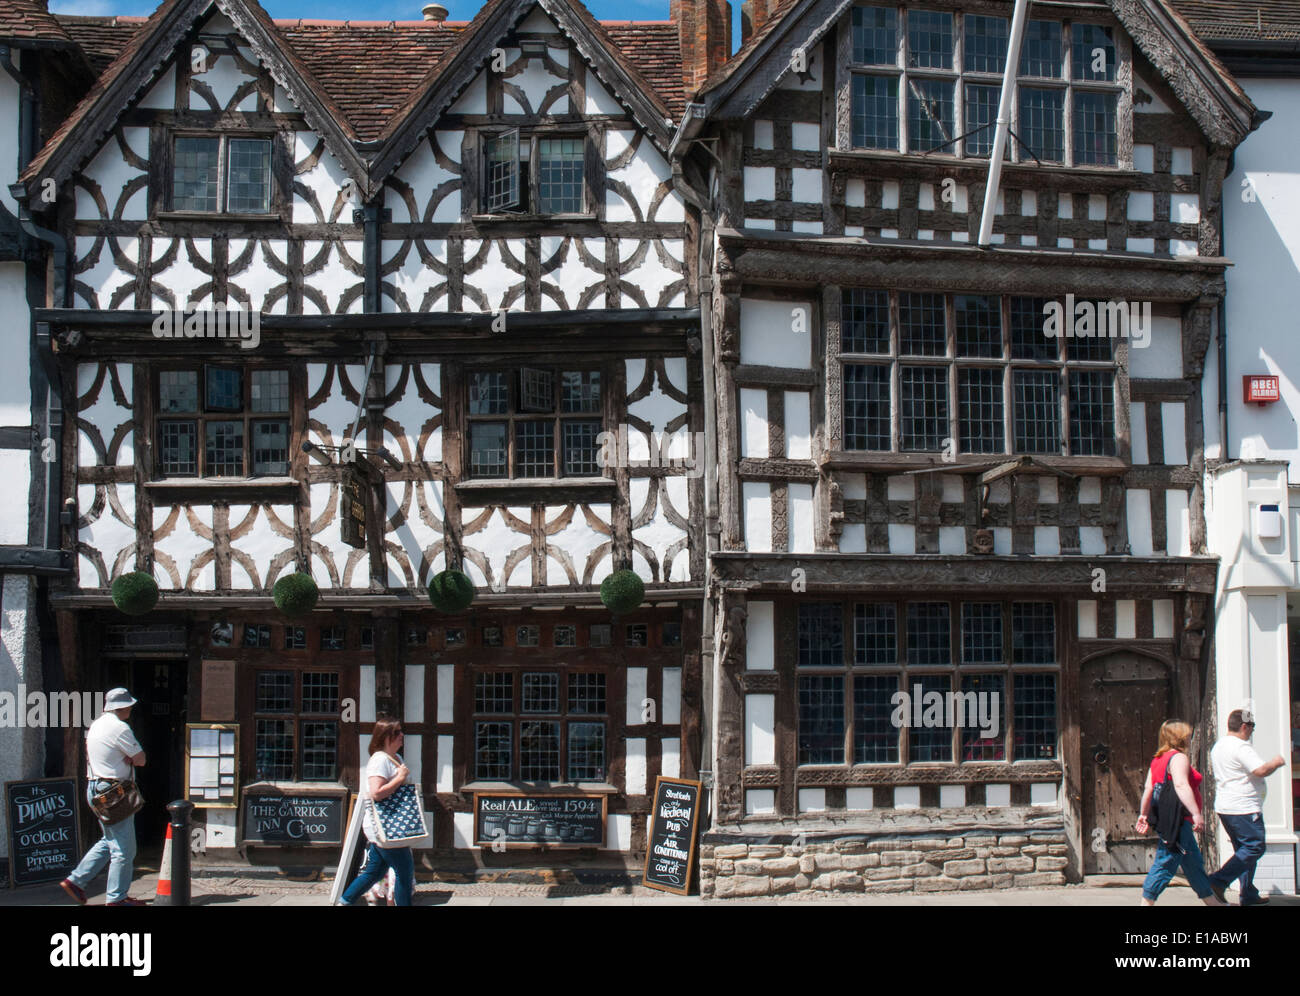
(399,818)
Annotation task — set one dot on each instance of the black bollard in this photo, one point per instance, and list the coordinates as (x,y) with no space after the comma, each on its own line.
(180,821)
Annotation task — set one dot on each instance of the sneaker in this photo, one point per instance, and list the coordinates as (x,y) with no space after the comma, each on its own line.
(128,901)
(1257,901)
(1218,891)
(74,891)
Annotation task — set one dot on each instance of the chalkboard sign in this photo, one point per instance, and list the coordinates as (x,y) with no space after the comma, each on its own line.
(530,820)
(44,845)
(670,855)
(273,817)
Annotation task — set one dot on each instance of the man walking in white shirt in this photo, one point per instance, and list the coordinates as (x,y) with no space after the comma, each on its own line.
(1239,775)
(112,753)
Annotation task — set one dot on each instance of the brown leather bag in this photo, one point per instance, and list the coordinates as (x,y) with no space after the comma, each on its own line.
(120,801)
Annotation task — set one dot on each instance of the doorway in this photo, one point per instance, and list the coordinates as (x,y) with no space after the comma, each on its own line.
(1123,699)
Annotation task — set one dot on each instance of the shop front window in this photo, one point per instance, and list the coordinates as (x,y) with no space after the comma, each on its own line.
(296,725)
(540,726)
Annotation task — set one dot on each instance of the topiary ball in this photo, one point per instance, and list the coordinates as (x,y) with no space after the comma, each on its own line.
(622,591)
(451,591)
(135,594)
(295,594)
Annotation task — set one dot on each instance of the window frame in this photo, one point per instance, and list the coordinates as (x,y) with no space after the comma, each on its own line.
(298,719)
(531,182)
(960,78)
(274,194)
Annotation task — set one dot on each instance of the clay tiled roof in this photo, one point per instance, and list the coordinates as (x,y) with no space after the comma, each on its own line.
(774,18)
(100,38)
(653,48)
(1238,20)
(28,21)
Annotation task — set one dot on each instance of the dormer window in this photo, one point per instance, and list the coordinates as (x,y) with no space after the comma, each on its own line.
(539,174)
(221,174)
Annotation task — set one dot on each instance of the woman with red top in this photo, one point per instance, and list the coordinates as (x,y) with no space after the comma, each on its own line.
(1171,756)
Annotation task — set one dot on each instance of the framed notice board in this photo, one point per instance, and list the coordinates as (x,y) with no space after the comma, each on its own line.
(212,764)
(674,823)
(44,833)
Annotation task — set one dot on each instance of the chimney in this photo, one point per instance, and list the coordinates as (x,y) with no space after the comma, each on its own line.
(434,12)
(704,33)
(753,15)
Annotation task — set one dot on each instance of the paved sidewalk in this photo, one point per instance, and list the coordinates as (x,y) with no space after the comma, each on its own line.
(1116,891)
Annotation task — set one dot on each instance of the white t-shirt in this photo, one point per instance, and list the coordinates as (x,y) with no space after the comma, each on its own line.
(1236,790)
(109,745)
(382,765)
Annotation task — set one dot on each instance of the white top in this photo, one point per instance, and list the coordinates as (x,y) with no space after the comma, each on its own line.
(1236,790)
(382,765)
(109,745)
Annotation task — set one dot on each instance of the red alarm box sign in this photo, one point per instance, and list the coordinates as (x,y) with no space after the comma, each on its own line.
(1261,389)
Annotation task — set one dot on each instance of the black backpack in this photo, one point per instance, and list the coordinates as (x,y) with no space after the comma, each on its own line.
(1170,811)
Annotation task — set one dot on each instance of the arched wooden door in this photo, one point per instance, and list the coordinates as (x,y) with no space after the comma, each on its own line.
(1123,699)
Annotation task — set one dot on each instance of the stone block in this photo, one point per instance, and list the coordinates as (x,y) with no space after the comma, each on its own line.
(726,866)
(900,857)
(888,887)
(751,885)
(1013,840)
(807,864)
(921,870)
(951,854)
(937,885)
(960,869)
(828,862)
(882,874)
(781,866)
(1014,865)
(802,882)
(848,882)
(1036,880)
(856,862)
(732,851)
(786,884)
(977,882)
(1004,852)
(1050,864)
(765,850)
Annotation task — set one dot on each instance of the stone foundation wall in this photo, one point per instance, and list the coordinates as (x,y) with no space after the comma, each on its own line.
(862,865)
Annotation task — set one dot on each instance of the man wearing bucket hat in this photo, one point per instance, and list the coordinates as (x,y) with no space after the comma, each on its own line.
(112,754)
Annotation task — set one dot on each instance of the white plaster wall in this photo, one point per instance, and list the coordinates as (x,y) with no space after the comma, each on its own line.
(767,335)
(15,390)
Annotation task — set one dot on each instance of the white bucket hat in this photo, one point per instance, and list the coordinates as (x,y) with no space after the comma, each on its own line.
(118,698)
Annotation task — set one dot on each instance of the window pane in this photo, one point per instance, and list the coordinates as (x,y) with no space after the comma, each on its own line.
(539,751)
(875,36)
(875,633)
(929,39)
(930,110)
(1033,633)
(1094,129)
(224,389)
(320,692)
(1037,411)
(981,119)
(925,407)
(1092,54)
(1042,124)
(487,449)
(587,694)
(332,637)
(565,635)
(821,634)
(580,391)
(980,410)
(494,692)
(989,701)
(580,447)
(928,639)
(257,636)
(269,391)
(488,393)
(295,638)
(984,46)
(865,322)
(1041,50)
(930,743)
(1097,349)
(492,751)
(535,449)
(821,719)
(866,407)
(586,752)
(536,390)
(921,326)
(249,176)
(194,174)
(875,737)
(1092,413)
(1028,320)
(273,747)
(178,391)
(1035,717)
(559,175)
(875,112)
(979,325)
(271,448)
(981,633)
(320,750)
(178,445)
(274,691)
(501,187)
(541,693)
(224,453)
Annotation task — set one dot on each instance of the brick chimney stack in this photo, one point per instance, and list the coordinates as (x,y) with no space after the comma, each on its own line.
(753,15)
(704,32)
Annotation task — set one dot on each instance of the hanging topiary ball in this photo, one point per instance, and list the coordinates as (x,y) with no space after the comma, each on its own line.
(622,591)
(451,591)
(295,594)
(135,594)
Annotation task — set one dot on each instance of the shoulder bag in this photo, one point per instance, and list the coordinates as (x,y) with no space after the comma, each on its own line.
(120,801)
(399,818)
(1170,811)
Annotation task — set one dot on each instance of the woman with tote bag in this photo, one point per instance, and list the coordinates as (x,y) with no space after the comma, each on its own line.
(385,775)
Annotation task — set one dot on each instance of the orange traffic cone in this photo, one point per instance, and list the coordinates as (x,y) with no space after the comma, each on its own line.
(164,894)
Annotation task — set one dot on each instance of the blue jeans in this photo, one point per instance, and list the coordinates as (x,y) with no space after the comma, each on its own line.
(116,848)
(378,861)
(1246,831)
(1168,861)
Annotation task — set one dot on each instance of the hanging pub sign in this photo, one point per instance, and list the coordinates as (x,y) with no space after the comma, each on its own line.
(531,820)
(674,822)
(352,508)
(44,845)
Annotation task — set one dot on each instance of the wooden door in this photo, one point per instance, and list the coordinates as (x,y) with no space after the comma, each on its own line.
(1123,699)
